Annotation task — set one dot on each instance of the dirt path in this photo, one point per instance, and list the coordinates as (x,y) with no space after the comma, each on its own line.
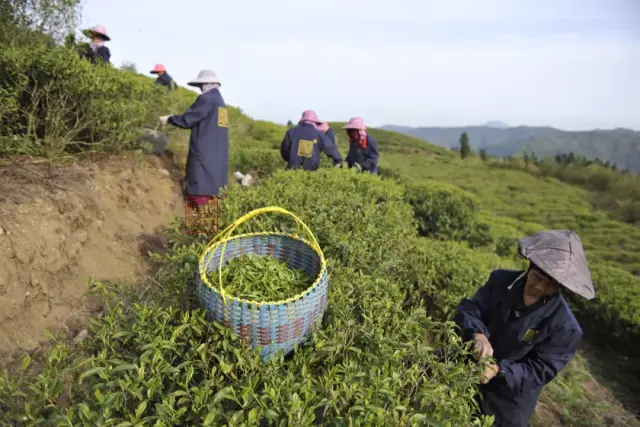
(90,219)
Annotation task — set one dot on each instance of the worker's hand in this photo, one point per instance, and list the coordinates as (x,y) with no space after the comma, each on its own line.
(489,373)
(164,119)
(339,165)
(358,167)
(483,346)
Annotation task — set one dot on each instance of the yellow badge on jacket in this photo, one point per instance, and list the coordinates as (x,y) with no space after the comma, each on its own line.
(529,335)
(223,117)
(305,148)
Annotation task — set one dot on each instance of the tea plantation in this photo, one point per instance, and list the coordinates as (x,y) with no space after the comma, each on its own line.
(402,249)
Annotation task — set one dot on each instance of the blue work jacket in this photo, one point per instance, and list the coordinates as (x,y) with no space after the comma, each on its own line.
(531,344)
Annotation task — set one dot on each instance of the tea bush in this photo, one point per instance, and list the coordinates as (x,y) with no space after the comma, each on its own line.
(267,132)
(368,216)
(54,101)
(443,211)
(438,274)
(614,316)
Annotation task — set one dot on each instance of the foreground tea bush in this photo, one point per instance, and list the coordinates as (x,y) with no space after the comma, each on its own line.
(157,360)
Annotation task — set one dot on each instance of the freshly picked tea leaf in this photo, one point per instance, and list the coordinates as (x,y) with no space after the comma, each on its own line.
(259,278)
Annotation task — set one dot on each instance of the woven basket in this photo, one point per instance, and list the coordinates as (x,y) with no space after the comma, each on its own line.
(270,325)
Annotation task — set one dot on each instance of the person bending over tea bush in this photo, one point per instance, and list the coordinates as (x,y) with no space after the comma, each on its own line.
(164,79)
(302,145)
(208,158)
(96,51)
(523,321)
(363,149)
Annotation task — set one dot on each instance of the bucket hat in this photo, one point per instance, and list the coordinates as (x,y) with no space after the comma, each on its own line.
(355,123)
(205,77)
(310,116)
(97,30)
(159,68)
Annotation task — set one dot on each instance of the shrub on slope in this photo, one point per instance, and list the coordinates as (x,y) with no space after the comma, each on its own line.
(443,211)
(614,315)
(438,274)
(52,101)
(360,220)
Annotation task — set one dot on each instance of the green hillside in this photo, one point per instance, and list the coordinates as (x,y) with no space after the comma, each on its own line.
(618,146)
(402,249)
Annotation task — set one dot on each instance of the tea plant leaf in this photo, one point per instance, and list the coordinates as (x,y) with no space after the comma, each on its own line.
(93,371)
(124,367)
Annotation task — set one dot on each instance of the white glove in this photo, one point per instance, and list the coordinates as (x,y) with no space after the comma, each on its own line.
(339,165)
(164,119)
(239,176)
(358,167)
(247,180)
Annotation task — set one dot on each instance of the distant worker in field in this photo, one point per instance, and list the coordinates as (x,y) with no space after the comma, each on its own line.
(96,51)
(326,129)
(164,79)
(208,158)
(363,149)
(523,321)
(302,144)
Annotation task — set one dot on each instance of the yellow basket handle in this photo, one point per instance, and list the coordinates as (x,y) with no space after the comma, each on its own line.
(228,231)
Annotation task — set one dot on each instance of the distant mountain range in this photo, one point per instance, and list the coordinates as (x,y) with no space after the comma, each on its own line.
(619,146)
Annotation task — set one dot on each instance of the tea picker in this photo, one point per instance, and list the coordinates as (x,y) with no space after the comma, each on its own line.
(303,144)
(208,158)
(164,79)
(96,51)
(363,149)
(521,319)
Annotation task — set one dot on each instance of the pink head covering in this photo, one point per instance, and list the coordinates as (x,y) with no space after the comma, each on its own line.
(159,68)
(310,116)
(323,127)
(355,123)
(99,30)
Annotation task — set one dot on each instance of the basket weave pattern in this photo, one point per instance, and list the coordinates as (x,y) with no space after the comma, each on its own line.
(273,326)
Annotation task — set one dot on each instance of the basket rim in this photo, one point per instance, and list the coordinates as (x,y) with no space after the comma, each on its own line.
(314,285)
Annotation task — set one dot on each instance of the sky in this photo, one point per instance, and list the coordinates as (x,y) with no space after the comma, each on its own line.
(571,64)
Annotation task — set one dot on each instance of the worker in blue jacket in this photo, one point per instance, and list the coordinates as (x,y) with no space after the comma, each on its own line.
(164,79)
(208,158)
(363,150)
(331,134)
(96,51)
(523,321)
(302,145)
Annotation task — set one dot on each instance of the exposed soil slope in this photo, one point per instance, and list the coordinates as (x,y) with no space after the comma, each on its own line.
(61,226)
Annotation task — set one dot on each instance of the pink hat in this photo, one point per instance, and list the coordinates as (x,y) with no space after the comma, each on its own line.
(159,68)
(310,116)
(355,123)
(99,30)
